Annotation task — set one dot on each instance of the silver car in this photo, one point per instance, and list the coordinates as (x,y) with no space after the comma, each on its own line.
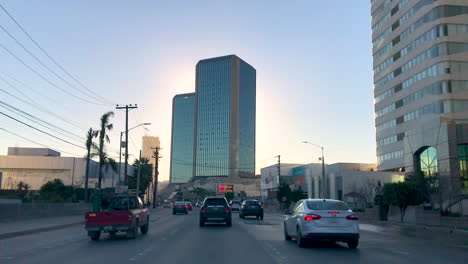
(322,219)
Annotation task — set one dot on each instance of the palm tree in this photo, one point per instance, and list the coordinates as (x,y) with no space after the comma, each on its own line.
(89,144)
(104,159)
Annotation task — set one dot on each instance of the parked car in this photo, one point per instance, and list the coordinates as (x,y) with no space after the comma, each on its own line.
(235,205)
(215,209)
(322,219)
(180,207)
(120,213)
(189,206)
(167,204)
(251,208)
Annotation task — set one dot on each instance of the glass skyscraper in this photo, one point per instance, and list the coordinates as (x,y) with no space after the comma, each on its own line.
(224,118)
(183,106)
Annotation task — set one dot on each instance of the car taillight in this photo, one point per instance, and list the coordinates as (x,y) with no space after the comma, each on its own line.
(228,209)
(311,217)
(352,217)
(185,206)
(174,206)
(203,209)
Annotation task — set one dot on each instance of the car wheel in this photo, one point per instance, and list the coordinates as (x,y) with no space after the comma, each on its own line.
(144,228)
(258,217)
(261,217)
(173,212)
(202,223)
(353,243)
(95,235)
(286,236)
(240,215)
(299,239)
(229,222)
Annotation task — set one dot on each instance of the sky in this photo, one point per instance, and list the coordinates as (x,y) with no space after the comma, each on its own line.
(313,62)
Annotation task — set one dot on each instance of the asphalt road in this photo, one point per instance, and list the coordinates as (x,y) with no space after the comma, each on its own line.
(179,239)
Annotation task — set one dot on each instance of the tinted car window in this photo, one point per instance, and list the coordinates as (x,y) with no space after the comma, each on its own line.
(327,205)
(179,203)
(215,202)
(251,202)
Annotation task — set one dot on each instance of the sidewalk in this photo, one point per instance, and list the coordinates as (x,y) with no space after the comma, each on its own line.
(31,226)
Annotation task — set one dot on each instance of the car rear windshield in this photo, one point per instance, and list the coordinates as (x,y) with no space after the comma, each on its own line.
(119,203)
(215,202)
(327,205)
(251,202)
(235,202)
(179,203)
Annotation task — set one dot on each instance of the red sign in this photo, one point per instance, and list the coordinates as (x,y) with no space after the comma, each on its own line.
(222,189)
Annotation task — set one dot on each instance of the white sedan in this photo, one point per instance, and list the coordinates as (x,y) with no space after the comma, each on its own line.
(322,219)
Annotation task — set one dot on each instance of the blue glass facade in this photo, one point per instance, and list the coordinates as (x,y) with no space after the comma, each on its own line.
(225,118)
(183,116)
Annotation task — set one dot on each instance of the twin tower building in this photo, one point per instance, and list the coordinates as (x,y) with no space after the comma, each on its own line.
(213,129)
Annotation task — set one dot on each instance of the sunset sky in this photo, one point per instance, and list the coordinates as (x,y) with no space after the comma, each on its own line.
(313,62)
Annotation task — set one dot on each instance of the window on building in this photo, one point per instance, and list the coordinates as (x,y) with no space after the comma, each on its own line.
(463,158)
(427,160)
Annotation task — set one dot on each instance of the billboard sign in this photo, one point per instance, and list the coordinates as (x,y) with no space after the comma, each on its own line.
(224,188)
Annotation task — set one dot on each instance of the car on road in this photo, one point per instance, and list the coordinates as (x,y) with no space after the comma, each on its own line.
(322,219)
(119,213)
(251,208)
(215,209)
(235,205)
(167,204)
(189,206)
(180,207)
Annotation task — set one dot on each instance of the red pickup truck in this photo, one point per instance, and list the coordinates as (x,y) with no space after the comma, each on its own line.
(119,213)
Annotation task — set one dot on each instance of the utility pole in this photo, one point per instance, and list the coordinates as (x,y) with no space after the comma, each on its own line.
(324,181)
(156,174)
(120,156)
(126,107)
(138,177)
(279,167)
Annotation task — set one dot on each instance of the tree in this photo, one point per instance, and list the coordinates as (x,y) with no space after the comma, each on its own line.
(402,194)
(297,195)
(146,174)
(201,193)
(22,189)
(284,191)
(89,145)
(229,196)
(104,159)
(55,191)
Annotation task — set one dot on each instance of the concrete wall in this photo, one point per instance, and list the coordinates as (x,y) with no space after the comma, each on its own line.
(37,170)
(10,212)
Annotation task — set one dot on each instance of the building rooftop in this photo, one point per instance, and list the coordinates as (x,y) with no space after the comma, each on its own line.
(19,151)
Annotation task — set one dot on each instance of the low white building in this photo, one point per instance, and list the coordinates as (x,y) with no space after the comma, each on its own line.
(36,166)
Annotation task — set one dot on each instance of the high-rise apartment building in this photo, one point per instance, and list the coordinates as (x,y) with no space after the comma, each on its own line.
(183,107)
(420,62)
(224,118)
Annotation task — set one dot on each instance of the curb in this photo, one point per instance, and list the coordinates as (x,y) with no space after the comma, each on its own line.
(37,230)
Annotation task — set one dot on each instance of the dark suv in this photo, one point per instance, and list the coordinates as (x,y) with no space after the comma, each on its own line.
(215,209)
(251,208)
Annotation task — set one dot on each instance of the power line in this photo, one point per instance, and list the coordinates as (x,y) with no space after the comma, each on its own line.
(33,119)
(42,131)
(45,79)
(39,108)
(48,68)
(52,59)
(32,141)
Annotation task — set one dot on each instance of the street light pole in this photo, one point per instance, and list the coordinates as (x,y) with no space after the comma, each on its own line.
(126,146)
(322,185)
